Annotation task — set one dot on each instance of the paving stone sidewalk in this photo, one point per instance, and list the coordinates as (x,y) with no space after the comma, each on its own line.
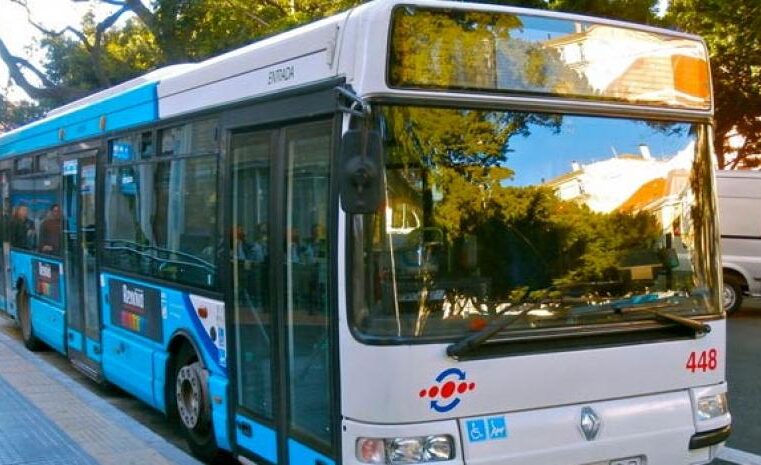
(46,418)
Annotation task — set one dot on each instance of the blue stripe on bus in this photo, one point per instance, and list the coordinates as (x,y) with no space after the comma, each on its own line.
(128,363)
(130,108)
(160,360)
(93,350)
(21,268)
(74,340)
(300,454)
(218,395)
(48,324)
(262,441)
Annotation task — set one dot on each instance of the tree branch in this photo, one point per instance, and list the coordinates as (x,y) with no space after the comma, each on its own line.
(16,66)
(146,15)
(248,13)
(96,53)
(110,20)
(107,2)
(273,3)
(94,47)
(48,32)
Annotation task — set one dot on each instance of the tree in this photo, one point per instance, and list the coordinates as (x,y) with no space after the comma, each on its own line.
(90,38)
(638,11)
(13,115)
(99,54)
(733,33)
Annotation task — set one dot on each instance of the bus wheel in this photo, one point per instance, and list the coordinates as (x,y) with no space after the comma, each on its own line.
(25,321)
(191,399)
(732,294)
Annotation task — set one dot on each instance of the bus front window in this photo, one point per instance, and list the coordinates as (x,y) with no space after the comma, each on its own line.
(486,212)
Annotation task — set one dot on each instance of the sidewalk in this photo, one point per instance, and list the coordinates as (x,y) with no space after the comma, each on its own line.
(46,418)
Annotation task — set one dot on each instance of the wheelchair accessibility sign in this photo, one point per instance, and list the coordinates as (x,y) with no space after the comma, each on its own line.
(486,429)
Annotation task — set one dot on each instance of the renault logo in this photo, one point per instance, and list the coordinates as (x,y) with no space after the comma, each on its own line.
(590,423)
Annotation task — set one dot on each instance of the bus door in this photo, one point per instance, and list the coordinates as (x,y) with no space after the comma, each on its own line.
(5,264)
(280,263)
(82,315)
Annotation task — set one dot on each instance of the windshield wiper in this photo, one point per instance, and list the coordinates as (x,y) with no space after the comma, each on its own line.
(468,343)
(700,328)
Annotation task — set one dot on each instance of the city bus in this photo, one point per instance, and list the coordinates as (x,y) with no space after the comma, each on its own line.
(414,232)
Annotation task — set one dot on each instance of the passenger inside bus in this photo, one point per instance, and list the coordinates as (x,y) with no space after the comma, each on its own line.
(50,231)
(21,228)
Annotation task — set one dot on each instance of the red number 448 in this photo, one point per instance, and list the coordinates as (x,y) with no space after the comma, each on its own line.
(702,361)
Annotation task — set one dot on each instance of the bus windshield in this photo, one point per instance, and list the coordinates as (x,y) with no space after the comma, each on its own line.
(486,212)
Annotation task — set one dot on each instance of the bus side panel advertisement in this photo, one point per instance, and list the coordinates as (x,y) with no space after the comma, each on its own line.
(47,279)
(136,308)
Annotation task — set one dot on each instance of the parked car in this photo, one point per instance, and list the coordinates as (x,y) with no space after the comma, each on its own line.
(740,224)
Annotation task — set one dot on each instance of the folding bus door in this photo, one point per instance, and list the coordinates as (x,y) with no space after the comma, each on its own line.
(5,214)
(79,213)
(280,257)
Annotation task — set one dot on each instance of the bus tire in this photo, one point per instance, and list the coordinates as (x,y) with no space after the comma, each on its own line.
(732,294)
(25,320)
(189,397)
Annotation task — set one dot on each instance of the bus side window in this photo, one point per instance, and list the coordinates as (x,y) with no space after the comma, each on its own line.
(35,220)
(161,212)
(21,227)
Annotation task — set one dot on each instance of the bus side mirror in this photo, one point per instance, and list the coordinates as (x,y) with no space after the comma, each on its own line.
(360,171)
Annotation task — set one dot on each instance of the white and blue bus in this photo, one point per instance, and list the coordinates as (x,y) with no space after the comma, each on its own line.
(418,231)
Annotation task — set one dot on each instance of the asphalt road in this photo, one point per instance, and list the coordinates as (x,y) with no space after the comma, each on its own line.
(744,377)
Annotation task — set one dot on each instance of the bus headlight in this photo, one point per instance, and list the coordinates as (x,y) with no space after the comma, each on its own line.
(371,450)
(402,451)
(712,406)
(438,448)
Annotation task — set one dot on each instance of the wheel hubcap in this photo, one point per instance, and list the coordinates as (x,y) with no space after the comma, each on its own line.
(728,297)
(189,395)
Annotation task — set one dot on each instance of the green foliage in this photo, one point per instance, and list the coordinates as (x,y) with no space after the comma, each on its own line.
(176,31)
(131,51)
(98,55)
(732,31)
(192,31)
(639,11)
(538,4)
(13,115)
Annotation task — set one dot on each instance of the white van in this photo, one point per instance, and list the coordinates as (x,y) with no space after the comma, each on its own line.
(740,222)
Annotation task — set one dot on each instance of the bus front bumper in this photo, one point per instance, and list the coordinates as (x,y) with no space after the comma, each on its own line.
(659,429)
